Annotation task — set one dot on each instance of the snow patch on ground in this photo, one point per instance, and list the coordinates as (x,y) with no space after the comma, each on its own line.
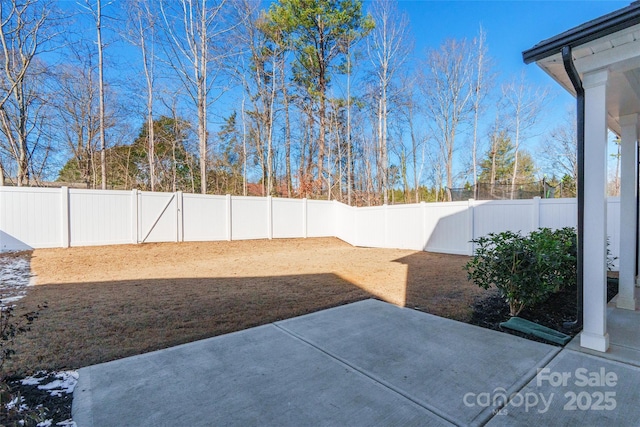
(49,423)
(15,277)
(16,402)
(56,384)
(64,382)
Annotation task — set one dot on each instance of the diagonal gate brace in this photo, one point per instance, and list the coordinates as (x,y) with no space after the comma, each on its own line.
(158,218)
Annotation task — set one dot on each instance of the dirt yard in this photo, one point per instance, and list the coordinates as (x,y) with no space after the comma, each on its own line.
(110,302)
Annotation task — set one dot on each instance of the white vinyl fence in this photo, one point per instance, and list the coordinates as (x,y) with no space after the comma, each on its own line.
(63,217)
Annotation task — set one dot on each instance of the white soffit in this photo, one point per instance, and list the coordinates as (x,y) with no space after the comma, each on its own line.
(620,54)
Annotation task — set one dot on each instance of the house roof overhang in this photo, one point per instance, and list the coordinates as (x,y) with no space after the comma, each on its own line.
(612,43)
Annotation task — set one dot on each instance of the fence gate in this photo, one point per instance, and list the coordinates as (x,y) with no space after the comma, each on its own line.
(158,215)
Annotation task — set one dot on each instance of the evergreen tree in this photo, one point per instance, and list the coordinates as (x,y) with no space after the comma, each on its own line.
(172,162)
(497,165)
(316,31)
(128,165)
(226,175)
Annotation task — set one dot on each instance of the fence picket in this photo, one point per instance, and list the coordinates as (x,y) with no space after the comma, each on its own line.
(64,218)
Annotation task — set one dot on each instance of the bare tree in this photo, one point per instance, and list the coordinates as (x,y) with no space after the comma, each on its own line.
(348,53)
(494,138)
(144,34)
(95,10)
(388,49)
(103,159)
(524,105)
(77,110)
(448,92)
(244,148)
(195,29)
(616,180)
(76,118)
(409,110)
(22,34)
(251,40)
(436,162)
(287,130)
(265,48)
(482,83)
(559,148)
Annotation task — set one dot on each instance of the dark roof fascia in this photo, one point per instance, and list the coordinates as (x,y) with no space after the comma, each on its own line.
(592,30)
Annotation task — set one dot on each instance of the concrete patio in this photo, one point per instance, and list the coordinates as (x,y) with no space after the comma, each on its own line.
(582,398)
(624,335)
(366,363)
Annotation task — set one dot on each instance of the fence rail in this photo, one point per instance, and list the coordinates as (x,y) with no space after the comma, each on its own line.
(64,217)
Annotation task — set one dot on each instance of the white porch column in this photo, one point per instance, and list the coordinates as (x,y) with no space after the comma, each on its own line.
(628,194)
(594,334)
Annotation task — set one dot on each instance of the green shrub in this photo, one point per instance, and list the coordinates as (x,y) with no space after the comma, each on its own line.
(525,269)
(558,256)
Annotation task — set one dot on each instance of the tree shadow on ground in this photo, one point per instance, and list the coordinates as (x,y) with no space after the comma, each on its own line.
(437,284)
(93,323)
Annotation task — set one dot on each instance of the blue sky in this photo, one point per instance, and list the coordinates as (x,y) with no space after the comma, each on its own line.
(511,27)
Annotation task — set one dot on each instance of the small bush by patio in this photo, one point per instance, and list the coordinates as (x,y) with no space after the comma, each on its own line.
(525,269)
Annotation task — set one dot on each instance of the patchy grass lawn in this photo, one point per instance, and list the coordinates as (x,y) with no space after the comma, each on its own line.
(110,302)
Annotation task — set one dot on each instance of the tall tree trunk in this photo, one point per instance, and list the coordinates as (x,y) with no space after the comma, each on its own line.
(270,129)
(476,108)
(493,163)
(384,148)
(331,123)
(414,151)
(201,64)
(310,147)
(148,73)
(103,154)
(202,138)
(322,111)
(450,165)
(151,140)
(515,157)
(525,108)
(381,172)
(405,180)
(306,137)
(287,135)
(244,150)
(23,150)
(349,182)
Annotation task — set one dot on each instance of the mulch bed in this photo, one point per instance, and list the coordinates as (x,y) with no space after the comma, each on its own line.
(491,309)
